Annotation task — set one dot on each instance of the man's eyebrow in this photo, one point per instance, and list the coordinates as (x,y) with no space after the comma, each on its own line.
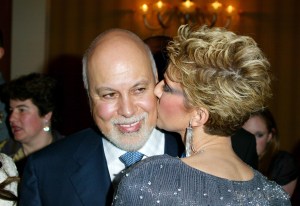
(141,82)
(104,89)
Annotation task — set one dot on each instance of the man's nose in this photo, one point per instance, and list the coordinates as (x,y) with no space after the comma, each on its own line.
(127,106)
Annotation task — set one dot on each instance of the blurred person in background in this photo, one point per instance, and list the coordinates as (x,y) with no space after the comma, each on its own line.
(32,106)
(274,163)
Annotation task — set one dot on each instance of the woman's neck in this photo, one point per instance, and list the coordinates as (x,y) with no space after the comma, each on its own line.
(37,144)
(202,141)
(212,152)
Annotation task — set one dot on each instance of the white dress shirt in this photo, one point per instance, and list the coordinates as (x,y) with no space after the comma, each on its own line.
(154,146)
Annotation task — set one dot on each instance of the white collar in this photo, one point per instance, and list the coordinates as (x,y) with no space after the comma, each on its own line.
(154,146)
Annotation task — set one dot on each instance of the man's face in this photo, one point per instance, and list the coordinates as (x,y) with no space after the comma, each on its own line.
(123,104)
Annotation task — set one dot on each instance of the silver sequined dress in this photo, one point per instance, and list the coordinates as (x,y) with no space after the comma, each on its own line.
(165,180)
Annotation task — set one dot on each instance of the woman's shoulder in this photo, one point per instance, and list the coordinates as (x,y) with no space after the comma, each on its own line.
(168,180)
(157,164)
(270,189)
(161,158)
(157,160)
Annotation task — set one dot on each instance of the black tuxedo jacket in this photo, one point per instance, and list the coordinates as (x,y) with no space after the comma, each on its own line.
(73,172)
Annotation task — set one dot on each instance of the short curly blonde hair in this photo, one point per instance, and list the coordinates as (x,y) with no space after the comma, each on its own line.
(223,72)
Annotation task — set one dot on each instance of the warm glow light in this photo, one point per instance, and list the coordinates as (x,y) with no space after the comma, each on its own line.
(144,8)
(187,6)
(159,4)
(213,13)
(230,9)
(216,5)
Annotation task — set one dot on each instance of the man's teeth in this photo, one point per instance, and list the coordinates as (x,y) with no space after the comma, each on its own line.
(129,125)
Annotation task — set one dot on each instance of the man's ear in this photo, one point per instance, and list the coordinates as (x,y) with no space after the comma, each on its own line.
(1,52)
(200,117)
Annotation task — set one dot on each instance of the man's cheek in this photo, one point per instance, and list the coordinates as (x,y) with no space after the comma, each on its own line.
(147,103)
(105,111)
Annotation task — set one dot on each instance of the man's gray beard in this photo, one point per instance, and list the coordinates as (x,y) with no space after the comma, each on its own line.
(115,136)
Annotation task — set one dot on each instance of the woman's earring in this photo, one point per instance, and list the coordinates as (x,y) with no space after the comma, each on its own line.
(188,140)
(46,128)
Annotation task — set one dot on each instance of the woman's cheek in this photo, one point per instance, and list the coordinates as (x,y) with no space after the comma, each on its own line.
(168,107)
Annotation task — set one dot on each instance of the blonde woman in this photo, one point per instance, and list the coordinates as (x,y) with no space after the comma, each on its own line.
(214,81)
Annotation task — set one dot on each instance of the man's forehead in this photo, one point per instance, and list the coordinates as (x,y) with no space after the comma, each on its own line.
(120,67)
(125,84)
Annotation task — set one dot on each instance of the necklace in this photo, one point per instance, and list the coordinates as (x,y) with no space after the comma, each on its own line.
(198,151)
(203,149)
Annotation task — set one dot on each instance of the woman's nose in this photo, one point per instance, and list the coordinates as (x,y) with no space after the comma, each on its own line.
(12,116)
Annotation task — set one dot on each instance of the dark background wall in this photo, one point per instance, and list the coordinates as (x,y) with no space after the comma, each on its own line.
(5,26)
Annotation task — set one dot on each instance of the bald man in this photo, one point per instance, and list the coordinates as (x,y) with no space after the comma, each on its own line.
(119,75)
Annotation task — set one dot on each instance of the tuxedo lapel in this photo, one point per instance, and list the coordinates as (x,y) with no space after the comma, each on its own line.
(91,177)
(89,174)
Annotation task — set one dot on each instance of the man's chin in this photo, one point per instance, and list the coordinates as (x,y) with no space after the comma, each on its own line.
(130,141)
(132,144)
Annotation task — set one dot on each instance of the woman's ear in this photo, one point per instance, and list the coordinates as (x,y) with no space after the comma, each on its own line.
(48,116)
(200,117)
(271,135)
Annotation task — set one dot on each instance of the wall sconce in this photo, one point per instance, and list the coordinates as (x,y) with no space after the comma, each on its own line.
(159,15)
